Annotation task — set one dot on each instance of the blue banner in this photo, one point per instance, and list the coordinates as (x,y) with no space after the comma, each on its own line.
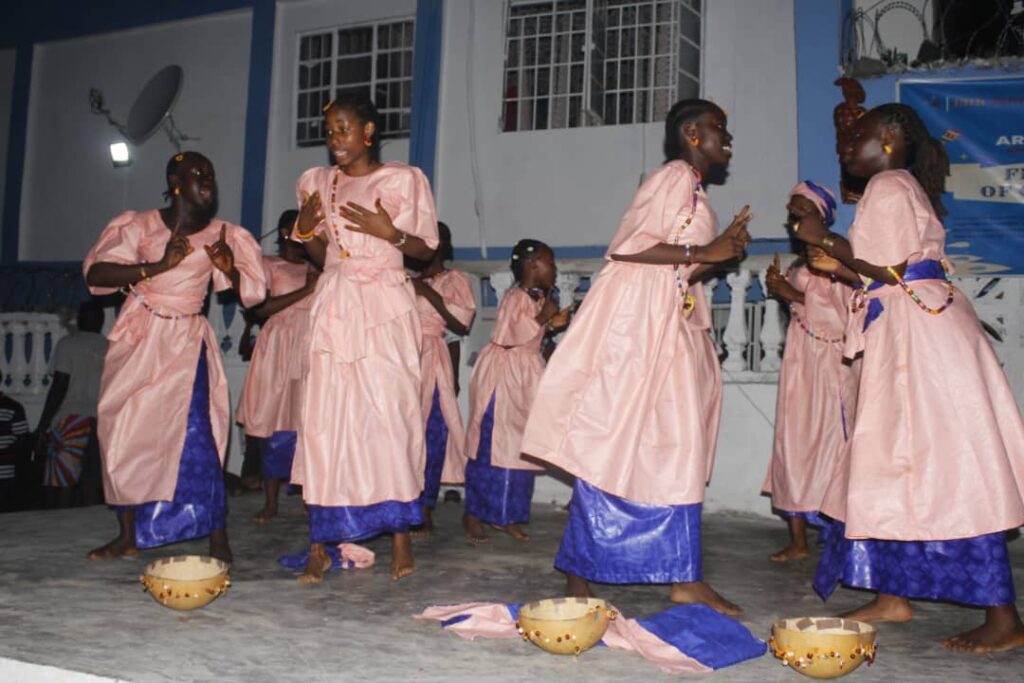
(981,122)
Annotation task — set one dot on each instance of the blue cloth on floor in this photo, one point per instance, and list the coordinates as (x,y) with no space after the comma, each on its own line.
(199,506)
(971,571)
(614,540)
(334,524)
(713,639)
(276,454)
(301,559)
(496,495)
(437,445)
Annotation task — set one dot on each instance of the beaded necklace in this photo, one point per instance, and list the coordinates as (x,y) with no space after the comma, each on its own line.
(130,289)
(330,219)
(687,302)
(811,333)
(916,299)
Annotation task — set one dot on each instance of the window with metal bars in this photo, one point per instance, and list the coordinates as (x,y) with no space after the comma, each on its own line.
(373,60)
(572,63)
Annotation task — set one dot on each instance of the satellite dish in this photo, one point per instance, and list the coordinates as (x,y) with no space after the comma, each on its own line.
(153,105)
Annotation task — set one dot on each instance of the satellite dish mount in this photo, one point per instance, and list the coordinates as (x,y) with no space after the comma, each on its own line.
(151,109)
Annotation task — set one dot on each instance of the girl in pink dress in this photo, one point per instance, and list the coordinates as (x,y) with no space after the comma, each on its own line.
(268,406)
(630,401)
(163,411)
(816,399)
(445,302)
(361,455)
(499,484)
(936,465)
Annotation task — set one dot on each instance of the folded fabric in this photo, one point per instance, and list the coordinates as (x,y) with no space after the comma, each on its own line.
(683,639)
(343,556)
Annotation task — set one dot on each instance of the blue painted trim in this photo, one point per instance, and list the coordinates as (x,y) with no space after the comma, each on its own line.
(426,85)
(257,114)
(16,152)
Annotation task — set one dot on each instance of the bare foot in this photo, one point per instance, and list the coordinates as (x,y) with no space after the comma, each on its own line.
(120,547)
(791,552)
(318,564)
(251,482)
(577,587)
(402,563)
(700,592)
(474,529)
(887,608)
(219,546)
(1001,631)
(265,515)
(427,528)
(514,531)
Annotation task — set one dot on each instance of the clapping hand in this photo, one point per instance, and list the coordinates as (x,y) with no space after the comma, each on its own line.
(376,223)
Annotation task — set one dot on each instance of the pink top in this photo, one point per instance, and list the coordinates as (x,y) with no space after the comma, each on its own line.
(436,364)
(936,452)
(508,369)
(631,398)
(269,398)
(151,362)
(361,432)
(817,396)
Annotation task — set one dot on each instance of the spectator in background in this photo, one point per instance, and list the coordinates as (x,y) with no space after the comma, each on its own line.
(14,459)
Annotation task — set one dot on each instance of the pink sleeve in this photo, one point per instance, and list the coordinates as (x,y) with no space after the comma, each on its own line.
(118,243)
(458,298)
(516,323)
(656,210)
(885,232)
(414,213)
(249,262)
(307,184)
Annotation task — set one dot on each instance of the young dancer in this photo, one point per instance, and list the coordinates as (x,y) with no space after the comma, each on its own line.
(817,392)
(499,484)
(630,401)
(268,407)
(445,301)
(935,470)
(163,409)
(361,455)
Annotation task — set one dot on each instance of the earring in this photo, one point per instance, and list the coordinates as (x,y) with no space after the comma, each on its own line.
(694,141)
(887,149)
(177,191)
(368,141)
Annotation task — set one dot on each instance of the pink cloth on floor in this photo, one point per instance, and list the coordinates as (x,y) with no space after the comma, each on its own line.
(354,556)
(493,620)
(361,431)
(436,364)
(817,395)
(937,451)
(271,390)
(150,366)
(509,368)
(631,398)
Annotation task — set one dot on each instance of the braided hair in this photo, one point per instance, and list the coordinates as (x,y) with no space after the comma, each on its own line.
(682,112)
(366,112)
(525,250)
(926,157)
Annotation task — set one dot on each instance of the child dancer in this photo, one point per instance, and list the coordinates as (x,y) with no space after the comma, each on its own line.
(445,302)
(163,409)
(499,485)
(268,407)
(361,456)
(817,392)
(630,401)
(935,470)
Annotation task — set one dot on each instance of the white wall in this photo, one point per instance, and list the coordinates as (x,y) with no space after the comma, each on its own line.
(6,91)
(571,186)
(285,160)
(70,189)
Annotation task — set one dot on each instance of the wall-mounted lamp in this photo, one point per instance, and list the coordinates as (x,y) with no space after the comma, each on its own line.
(120,155)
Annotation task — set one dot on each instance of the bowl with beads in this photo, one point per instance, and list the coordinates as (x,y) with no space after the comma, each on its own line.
(186,582)
(565,626)
(823,647)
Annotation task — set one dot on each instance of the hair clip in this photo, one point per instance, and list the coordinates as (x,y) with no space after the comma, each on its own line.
(179,157)
(529,250)
(515,257)
(327,106)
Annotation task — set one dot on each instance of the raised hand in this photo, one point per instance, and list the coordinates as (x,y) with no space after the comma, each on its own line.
(375,223)
(820,261)
(220,253)
(561,319)
(731,243)
(175,251)
(310,216)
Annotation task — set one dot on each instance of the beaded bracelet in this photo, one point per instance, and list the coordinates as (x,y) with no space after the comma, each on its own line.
(916,299)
